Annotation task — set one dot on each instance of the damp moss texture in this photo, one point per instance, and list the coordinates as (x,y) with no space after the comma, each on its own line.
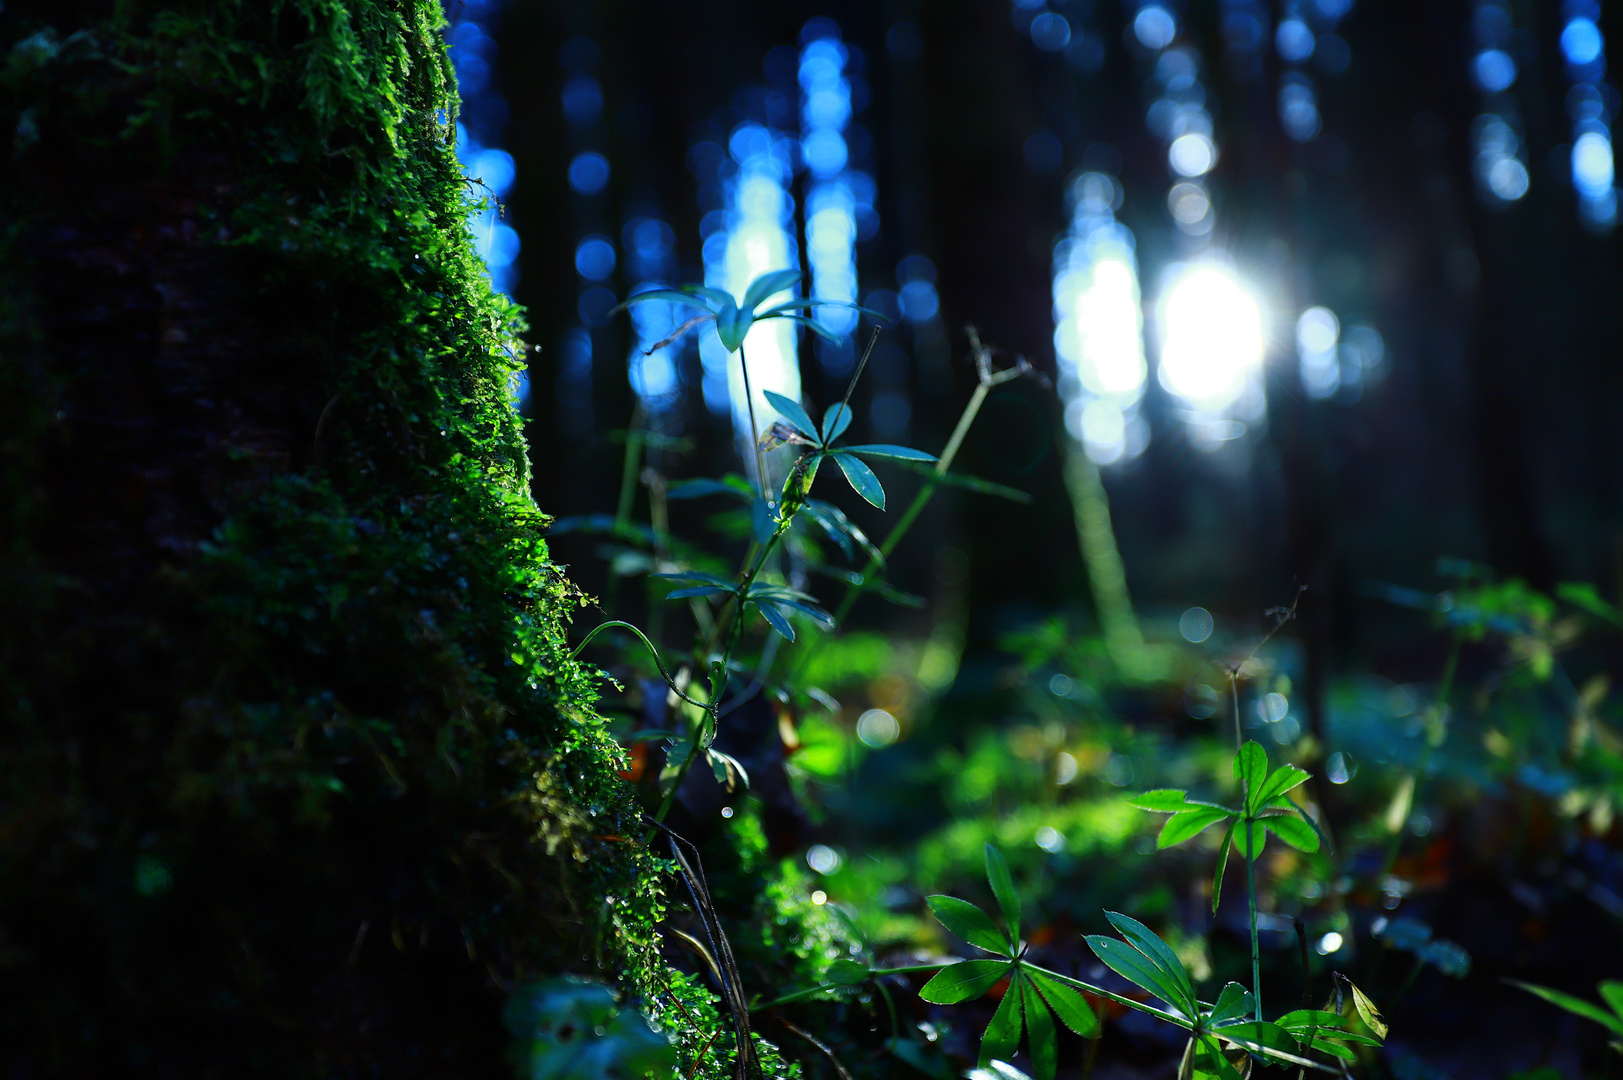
(297,776)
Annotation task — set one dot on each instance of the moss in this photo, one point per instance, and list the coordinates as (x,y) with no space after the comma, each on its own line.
(299,777)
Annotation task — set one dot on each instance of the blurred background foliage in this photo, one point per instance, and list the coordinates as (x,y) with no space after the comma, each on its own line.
(1318,295)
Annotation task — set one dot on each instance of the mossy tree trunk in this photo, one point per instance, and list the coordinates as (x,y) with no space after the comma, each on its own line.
(296,774)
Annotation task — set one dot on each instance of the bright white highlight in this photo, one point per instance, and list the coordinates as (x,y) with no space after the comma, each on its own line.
(1193,154)
(1211,337)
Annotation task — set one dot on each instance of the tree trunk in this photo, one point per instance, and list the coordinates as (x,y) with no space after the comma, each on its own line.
(298,775)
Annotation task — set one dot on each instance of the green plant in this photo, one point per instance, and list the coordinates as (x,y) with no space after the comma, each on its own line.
(572,1029)
(1611,992)
(1035,994)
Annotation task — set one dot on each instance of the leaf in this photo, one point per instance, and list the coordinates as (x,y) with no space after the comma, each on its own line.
(1251,769)
(773,281)
(1300,1020)
(1281,780)
(964,981)
(1136,968)
(1003,1033)
(695,575)
(670,295)
(836,420)
(1161,801)
(792,411)
(862,479)
(1258,837)
(1261,1033)
(1377,1023)
(1071,1007)
(847,972)
(1574,1005)
(1284,803)
(811,324)
(731,325)
(810,610)
(1222,866)
(967,482)
(1612,993)
(834,522)
(1150,944)
(968,922)
(728,771)
(1583,595)
(1233,1002)
(997,874)
(886,450)
(697,590)
(1039,1032)
(775,618)
(1294,831)
(651,735)
(1181,827)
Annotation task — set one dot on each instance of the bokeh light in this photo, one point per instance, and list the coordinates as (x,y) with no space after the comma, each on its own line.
(1211,336)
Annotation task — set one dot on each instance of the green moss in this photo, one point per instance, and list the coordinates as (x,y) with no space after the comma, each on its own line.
(300,777)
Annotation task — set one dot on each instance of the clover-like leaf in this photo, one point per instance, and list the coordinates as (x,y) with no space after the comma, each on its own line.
(1039,1031)
(997,874)
(1071,1007)
(792,411)
(862,478)
(1181,827)
(1002,1035)
(964,981)
(970,923)
(1253,834)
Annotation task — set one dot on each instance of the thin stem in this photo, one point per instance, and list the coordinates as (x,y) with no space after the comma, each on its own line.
(1251,897)
(755,432)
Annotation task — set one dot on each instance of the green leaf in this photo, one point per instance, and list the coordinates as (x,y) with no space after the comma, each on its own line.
(1161,801)
(886,450)
(695,575)
(1039,1032)
(967,482)
(1181,827)
(718,298)
(1002,1036)
(964,981)
(847,972)
(727,770)
(1136,968)
(732,325)
(791,411)
(1294,831)
(810,610)
(1222,866)
(1233,1002)
(775,618)
(1612,993)
(1258,837)
(1251,769)
(836,419)
(1161,955)
(700,487)
(1300,1020)
(1577,1006)
(1281,780)
(697,590)
(1583,595)
(769,283)
(1070,1006)
(970,923)
(861,477)
(1284,803)
(1261,1033)
(997,874)
(1376,1023)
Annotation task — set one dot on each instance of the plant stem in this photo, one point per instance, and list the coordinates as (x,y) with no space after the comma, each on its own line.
(755,432)
(1251,897)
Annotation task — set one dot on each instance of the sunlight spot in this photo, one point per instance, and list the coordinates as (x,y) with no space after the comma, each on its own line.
(877,728)
(823,859)
(1329,943)
(1211,336)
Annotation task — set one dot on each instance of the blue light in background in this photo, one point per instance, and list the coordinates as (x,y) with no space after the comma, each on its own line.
(1501,154)
(472,51)
(1593,166)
